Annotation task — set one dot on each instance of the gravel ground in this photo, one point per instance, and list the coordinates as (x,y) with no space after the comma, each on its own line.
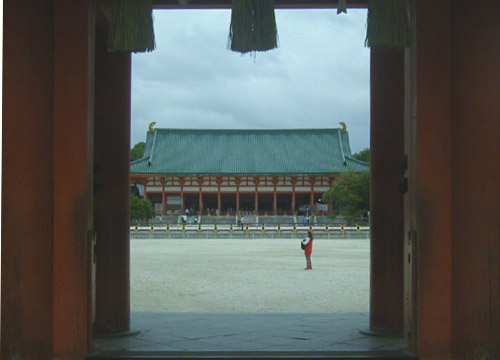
(249,276)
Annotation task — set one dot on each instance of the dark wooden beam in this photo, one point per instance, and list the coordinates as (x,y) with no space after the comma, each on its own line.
(279,4)
(103,13)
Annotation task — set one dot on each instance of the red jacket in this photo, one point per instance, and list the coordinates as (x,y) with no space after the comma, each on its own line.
(309,248)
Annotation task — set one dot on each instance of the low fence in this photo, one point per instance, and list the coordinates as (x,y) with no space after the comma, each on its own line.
(247,231)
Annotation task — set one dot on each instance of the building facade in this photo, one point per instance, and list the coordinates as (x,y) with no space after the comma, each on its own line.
(220,172)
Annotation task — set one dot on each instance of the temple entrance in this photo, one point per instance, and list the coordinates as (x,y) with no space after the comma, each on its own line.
(192,202)
(284,203)
(247,202)
(265,201)
(228,203)
(302,203)
(210,203)
(157,202)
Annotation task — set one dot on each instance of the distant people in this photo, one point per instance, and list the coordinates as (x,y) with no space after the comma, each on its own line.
(196,219)
(308,242)
(242,222)
(184,218)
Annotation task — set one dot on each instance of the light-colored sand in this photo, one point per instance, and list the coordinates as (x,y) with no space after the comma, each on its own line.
(249,276)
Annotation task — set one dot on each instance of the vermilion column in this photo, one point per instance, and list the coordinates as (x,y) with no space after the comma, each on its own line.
(73,112)
(311,197)
(181,182)
(275,202)
(200,200)
(386,201)
(219,201)
(218,181)
(256,196)
(112,187)
(275,197)
(200,194)
(163,197)
(145,196)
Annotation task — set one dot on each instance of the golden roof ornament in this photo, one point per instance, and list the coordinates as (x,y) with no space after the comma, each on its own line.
(344,126)
(152,126)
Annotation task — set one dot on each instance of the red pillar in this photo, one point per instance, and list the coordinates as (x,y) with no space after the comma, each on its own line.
(311,197)
(237,181)
(386,209)
(275,202)
(163,197)
(27,202)
(200,201)
(219,200)
(73,177)
(256,181)
(237,199)
(275,197)
(475,182)
(200,194)
(256,200)
(112,193)
(181,181)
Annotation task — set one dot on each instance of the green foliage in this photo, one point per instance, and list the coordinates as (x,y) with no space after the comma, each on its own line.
(140,208)
(350,195)
(137,151)
(363,155)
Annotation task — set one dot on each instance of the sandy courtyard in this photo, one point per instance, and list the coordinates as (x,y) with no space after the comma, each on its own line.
(249,276)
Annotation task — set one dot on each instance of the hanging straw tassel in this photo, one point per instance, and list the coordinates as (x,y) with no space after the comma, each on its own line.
(253,26)
(388,24)
(131,26)
(342,7)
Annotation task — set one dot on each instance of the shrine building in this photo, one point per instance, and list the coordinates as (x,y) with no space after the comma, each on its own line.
(265,172)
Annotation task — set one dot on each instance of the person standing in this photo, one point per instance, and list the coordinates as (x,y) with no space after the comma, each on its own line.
(308,242)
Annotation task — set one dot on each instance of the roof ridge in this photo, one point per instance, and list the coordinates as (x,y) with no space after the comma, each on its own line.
(245,130)
(136,161)
(357,160)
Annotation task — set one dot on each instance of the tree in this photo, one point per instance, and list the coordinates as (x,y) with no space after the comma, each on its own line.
(363,155)
(350,195)
(140,208)
(137,151)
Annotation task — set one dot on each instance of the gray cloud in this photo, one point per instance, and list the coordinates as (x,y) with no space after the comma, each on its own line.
(318,77)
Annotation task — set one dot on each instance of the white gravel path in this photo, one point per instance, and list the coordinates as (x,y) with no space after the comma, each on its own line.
(249,276)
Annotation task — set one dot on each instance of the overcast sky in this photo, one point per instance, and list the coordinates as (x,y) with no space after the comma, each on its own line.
(318,76)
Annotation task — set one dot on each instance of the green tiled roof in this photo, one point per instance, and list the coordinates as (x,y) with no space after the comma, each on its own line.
(209,152)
